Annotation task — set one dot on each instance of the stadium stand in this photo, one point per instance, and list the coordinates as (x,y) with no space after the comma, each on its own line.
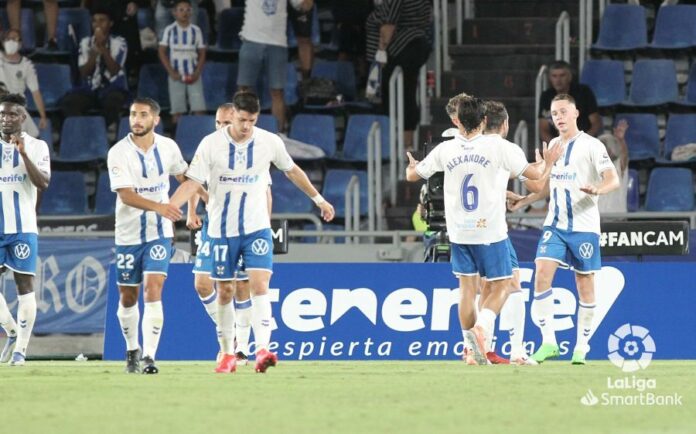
(633,191)
(654,82)
(73,25)
(190,130)
(54,82)
(642,136)
(286,197)
(340,72)
(670,189)
(66,194)
(606,79)
(152,83)
(623,27)
(267,122)
(674,27)
(681,130)
(83,139)
(335,183)
(229,24)
(318,130)
(357,132)
(219,83)
(105,199)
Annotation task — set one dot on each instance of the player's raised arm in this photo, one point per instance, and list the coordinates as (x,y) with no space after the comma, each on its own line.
(300,179)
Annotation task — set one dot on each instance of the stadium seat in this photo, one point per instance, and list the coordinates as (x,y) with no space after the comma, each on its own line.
(642,136)
(66,195)
(681,129)
(675,28)
(83,139)
(45,134)
(290,92)
(341,72)
(654,82)
(54,83)
(318,130)
(190,130)
(152,83)
(633,199)
(287,197)
(623,27)
(268,122)
(690,97)
(606,79)
(334,191)
(124,128)
(670,189)
(219,83)
(105,202)
(146,18)
(229,24)
(27,24)
(357,131)
(73,25)
(203,21)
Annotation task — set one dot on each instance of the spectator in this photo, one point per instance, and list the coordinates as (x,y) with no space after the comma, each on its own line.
(14,10)
(561,79)
(18,73)
(350,20)
(182,52)
(397,35)
(617,200)
(301,14)
(125,18)
(28,126)
(101,61)
(163,15)
(264,41)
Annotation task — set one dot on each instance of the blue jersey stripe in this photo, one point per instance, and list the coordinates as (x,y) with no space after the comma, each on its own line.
(241,214)
(142,164)
(223,217)
(568,151)
(184,37)
(158,159)
(143,227)
(15,158)
(160,227)
(232,152)
(176,65)
(555,208)
(175,36)
(2,216)
(186,67)
(17,211)
(569,210)
(193,36)
(250,155)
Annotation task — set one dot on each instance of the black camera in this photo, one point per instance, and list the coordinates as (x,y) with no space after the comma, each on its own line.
(433,196)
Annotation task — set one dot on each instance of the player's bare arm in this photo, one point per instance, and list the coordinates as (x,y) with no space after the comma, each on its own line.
(185,191)
(131,198)
(514,205)
(299,178)
(610,182)
(36,176)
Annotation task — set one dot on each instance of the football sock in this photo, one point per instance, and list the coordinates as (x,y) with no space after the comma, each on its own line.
(129,318)
(210,305)
(543,309)
(226,323)
(513,312)
(242,317)
(261,320)
(486,320)
(153,319)
(585,316)
(6,321)
(26,315)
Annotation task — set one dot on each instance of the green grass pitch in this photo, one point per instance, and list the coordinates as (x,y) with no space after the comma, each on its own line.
(339,397)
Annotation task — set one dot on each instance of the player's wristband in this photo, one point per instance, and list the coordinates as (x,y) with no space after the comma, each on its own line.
(318,199)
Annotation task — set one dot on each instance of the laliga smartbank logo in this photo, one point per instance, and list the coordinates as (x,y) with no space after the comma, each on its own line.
(631,349)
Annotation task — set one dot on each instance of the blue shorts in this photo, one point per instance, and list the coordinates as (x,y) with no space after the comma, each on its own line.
(491,261)
(19,252)
(149,258)
(513,255)
(203,263)
(252,59)
(576,250)
(255,248)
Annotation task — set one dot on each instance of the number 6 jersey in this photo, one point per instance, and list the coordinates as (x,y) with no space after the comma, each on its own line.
(474,196)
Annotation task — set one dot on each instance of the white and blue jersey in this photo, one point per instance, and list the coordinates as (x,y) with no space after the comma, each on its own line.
(101,77)
(147,173)
(183,44)
(572,226)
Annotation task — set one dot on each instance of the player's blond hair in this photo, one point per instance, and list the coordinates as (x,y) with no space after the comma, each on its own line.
(453,104)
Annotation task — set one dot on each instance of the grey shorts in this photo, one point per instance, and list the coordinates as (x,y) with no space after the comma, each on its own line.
(179,92)
(253,57)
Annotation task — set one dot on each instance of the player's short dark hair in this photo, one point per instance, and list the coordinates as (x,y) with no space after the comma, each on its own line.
(496,115)
(560,64)
(103,10)
(176,3)
(453,103)
(154,105)
(247,101)
(564,97)
(470,113)
(14,98)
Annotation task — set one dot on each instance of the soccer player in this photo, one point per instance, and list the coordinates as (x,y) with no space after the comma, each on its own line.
(204,284)
(571,230)
(236,160)
(139,168)
(475,215)
(25,167)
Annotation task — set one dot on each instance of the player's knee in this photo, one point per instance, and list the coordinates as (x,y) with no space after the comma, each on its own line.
(226,291)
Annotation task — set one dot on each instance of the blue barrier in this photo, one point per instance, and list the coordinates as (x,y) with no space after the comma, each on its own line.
(408,312)
(70,284)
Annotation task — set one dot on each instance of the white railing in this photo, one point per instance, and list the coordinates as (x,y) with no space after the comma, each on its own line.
(563,37)
(423,99)
(464,10)
(585,29)
(539,87)
(396,130)
(352,207)
(374,177)
(521,137)
(437,42)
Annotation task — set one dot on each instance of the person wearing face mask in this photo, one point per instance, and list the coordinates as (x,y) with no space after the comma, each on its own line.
(18,72)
